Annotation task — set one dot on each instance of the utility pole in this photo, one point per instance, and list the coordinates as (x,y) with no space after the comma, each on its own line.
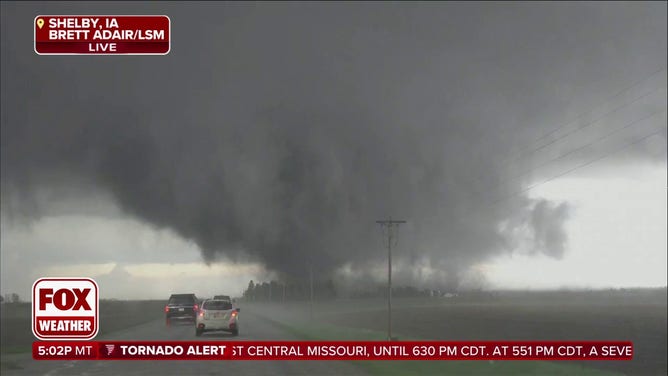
(311,283)
(391,225)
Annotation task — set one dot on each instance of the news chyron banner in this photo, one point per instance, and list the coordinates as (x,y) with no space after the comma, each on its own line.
(333,350)
(102,35)
(65,318)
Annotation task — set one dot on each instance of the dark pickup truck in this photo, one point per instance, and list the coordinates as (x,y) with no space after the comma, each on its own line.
(181,307)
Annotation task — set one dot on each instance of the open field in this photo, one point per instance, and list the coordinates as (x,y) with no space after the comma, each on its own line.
(254,329)
(636,316)
(320,331)
(16,332)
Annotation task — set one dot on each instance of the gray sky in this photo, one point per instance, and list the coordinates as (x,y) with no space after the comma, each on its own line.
(274,135)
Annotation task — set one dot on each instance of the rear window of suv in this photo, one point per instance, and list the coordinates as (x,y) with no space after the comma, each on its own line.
(217,304)
(182,299)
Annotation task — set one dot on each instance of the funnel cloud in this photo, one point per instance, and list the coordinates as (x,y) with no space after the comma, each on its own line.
(279,133)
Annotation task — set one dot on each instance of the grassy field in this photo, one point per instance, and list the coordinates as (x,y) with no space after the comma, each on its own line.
(16,332)
(637,316)
(321,331)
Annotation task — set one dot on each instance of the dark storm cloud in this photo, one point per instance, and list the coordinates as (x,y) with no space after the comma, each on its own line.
(546,220)
(281,132)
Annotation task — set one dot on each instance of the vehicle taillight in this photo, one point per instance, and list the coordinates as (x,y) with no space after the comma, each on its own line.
(234,313)
(201,313)
(166,308)
(196,307)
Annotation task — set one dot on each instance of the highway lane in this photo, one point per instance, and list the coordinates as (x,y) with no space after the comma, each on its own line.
(252,327)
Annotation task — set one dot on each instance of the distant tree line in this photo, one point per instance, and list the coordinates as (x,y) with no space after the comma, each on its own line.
(274,291)
(397,292)
(10,298)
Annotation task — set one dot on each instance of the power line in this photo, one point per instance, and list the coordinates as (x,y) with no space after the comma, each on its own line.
(585,146)
(484,205)
(591,122)
(573,131)
(497,57)
(617,94)
(636,83)
(480,178)
(606,155)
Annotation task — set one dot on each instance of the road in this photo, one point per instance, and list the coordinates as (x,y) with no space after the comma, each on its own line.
(254,328)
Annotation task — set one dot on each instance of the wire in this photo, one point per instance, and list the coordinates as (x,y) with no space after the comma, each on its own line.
(573,131)
(480,179)
(593,122)
(586,145)
(636,83)
(553,131)
(606,155)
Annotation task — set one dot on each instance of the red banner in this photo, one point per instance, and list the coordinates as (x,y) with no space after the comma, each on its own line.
(102,35)
(332,350)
